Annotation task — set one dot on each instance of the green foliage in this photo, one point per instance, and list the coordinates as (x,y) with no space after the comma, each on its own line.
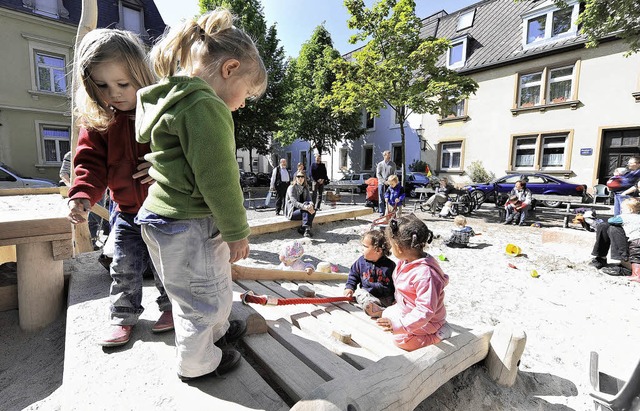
(418,166)
(478,173)
(396,67)
(311,79)
(258,121)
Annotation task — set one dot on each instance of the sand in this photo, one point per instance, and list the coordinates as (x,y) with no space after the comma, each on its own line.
(568,311)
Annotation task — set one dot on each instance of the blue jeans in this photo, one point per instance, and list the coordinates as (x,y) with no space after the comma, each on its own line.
(381,204)
(617,200)
(130,261)
(511,214)
(194,266)
(305,216)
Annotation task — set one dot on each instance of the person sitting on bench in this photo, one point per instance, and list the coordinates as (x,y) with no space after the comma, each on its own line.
(523,195)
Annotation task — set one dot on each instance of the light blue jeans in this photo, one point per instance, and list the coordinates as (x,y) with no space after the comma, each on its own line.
(193,264)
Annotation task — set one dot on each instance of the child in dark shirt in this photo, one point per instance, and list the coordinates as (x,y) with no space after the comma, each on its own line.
(515,205)
(373,272)
(460,234)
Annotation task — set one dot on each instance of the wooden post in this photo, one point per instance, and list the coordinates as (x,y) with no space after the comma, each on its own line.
(505,350)
(88,22)
(40,285)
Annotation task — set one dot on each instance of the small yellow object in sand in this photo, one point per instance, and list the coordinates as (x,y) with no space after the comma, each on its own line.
(534,274)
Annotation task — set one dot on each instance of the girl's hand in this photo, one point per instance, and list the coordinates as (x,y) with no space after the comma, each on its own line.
(384,323)
(143,172)
(348,292)
(239,250)
(78,210)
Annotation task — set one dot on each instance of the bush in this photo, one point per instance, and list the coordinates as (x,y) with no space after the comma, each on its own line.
(418,166)
(478,174)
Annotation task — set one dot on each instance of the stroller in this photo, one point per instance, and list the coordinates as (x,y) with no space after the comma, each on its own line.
(371,199)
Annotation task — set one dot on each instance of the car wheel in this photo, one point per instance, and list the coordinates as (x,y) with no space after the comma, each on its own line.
(553,204)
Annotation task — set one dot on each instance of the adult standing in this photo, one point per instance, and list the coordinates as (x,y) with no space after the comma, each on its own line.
(298,204)
(384,169)
(280,180)
(320,178)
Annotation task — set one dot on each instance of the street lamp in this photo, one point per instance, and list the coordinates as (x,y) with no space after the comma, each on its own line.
(423,142)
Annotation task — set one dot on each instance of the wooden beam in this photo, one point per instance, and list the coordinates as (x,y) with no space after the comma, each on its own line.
(280,223)
(241,272)
(418,373)
(504,355)
(29,191)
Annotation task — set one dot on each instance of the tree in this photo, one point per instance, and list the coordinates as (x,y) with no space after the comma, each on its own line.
(601,18)
(256,123)
(312,80)
(396,67)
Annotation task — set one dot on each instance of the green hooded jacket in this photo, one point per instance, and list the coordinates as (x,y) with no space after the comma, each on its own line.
(193,154)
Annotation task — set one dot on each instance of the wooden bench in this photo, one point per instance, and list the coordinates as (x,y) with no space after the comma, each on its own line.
(256,194)
(423,194)
(41,234)
(279,223)
(566,213)
(349,189)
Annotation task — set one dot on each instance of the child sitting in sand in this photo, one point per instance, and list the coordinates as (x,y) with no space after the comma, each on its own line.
(418,318)
(373,271)
(460,233)
(516,206)
(291,255)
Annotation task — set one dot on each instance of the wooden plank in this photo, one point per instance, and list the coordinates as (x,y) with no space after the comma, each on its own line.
(33,227)
(504,355)
(28,191)
(300,316)
(35,239)
(280,223)
(416,375)
(241,272)
(7,253)
(295,378)
(62,249)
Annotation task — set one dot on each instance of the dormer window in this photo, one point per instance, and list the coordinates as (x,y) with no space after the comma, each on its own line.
(465,20)
(547,23)
(457,54)
(48,8)
(132,16)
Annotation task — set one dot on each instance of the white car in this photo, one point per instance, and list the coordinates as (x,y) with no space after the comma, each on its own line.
(357,179)
(10,178)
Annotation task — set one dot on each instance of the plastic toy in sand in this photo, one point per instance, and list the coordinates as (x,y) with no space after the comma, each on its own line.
(513,250)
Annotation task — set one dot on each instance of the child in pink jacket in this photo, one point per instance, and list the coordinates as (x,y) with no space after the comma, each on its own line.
(418,318)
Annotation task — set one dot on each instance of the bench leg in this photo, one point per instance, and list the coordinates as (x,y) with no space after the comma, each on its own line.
(40,285)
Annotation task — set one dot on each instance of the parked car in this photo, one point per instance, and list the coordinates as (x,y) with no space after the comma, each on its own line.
(10,178)
(247,179)
(263,179)
(357,179)
(538,183)
(413,180)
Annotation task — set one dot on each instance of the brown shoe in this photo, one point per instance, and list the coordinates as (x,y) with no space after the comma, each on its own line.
(164,323)
(116,336)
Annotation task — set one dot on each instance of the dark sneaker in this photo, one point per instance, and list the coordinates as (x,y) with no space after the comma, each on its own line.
(301,230)
(598,262)
(237,329)
(308,233)
(616,270)
(230,360)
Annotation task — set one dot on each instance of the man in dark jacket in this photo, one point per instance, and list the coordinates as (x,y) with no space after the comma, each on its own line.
(280,180)
(320,178)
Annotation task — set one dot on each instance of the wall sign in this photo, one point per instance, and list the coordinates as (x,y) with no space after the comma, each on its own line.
(586,151)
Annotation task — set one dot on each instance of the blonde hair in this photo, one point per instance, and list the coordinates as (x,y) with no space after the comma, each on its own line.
(205,44)
(106,46)
(392,178)
(632,205)
(460,221)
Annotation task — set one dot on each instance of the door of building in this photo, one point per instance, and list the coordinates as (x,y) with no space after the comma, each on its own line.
(617,147)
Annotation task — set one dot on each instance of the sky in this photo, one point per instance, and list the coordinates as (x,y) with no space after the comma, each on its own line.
(296,19)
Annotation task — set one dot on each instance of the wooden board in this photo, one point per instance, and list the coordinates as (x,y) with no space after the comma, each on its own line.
(240,272)
(280,223)
(29,191)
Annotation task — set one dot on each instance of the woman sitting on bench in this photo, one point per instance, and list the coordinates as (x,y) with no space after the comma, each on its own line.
(523,195)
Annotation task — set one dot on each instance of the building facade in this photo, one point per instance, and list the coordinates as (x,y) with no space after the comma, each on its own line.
(37,41)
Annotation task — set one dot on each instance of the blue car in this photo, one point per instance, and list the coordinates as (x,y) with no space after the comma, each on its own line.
(413,180)
(538,183)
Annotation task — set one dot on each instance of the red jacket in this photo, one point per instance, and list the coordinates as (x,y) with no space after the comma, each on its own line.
(109,159)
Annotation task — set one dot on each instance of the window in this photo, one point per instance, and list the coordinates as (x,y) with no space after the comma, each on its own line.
(457,54)
(49,8)
(546,152)
(465,20)
(397,113)
(344,156)
(303,158)
(369,120)
(55,142)
(396,155)
(50,71)
(549,86)
(288,160)
(367,153)
(451,156)
(547,23)
(132,16)
(454,110)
